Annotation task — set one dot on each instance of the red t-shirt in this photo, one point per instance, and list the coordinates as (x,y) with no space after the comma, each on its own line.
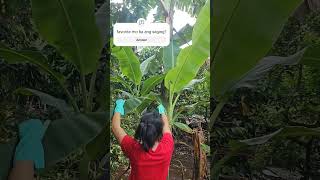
(152,165)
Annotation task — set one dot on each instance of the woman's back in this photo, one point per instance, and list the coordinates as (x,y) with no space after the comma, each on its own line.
(153,164)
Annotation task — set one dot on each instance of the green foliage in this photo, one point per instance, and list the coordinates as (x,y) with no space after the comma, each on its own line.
(193,7)
(183,127)
(47,99)
(77,39)
(183,35)
(154,65)
(12,56)
(181,69)
(131,104)
(72,133)
(62,137)
(129,63)
(308,56)
(284,97)
(146,64)
(234,52)
(287,132)
(150,83)
(169,56)
(102,21)
(191,58)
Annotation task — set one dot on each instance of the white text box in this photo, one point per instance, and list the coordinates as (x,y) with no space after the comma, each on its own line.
(149,34)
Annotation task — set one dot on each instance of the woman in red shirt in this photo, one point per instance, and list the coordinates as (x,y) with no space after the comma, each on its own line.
(151,149)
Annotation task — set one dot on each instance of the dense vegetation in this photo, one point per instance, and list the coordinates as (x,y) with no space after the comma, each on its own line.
(59,71)
(42,76)
(265,85)
(278,103)
(170,75)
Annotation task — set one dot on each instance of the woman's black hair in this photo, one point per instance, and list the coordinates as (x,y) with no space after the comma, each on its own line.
(149,130)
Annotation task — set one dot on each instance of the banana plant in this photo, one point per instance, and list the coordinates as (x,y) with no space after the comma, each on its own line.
(308,56)
(139,94)
(188,62)
(80,43)
(180,68)
(243,145)
(235,67)
(239,53)
(235,53)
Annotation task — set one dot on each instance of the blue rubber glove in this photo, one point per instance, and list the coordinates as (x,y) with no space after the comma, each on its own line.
(161,109)
(30,146)
(119,106)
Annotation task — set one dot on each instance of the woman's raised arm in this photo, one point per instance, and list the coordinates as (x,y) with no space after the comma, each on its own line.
(117,130)
(166,124)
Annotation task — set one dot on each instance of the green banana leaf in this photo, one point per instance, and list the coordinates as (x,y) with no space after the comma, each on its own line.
(70,27)
(100,145)
(36,58)
(131,104)
(118,79)
(145,65)
(169,56)
(146,101)
(307,56)
(156,65)
(150,83)
(183,127)
(62,137)
(123,94)
(102,21)
(66,135)
(183,35)
(205,148)
(139,104)
(283,133)
(129,63)
(193,82)
(191,58)
(45,98)
(243,33)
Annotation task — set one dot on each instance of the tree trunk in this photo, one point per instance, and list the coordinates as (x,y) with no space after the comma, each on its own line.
(200,170)
(169,19)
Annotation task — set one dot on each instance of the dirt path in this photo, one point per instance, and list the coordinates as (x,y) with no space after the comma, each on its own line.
(182,163)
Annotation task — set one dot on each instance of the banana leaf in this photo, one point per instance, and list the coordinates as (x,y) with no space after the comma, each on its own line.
(70,26)
(243,33)
(191,58)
